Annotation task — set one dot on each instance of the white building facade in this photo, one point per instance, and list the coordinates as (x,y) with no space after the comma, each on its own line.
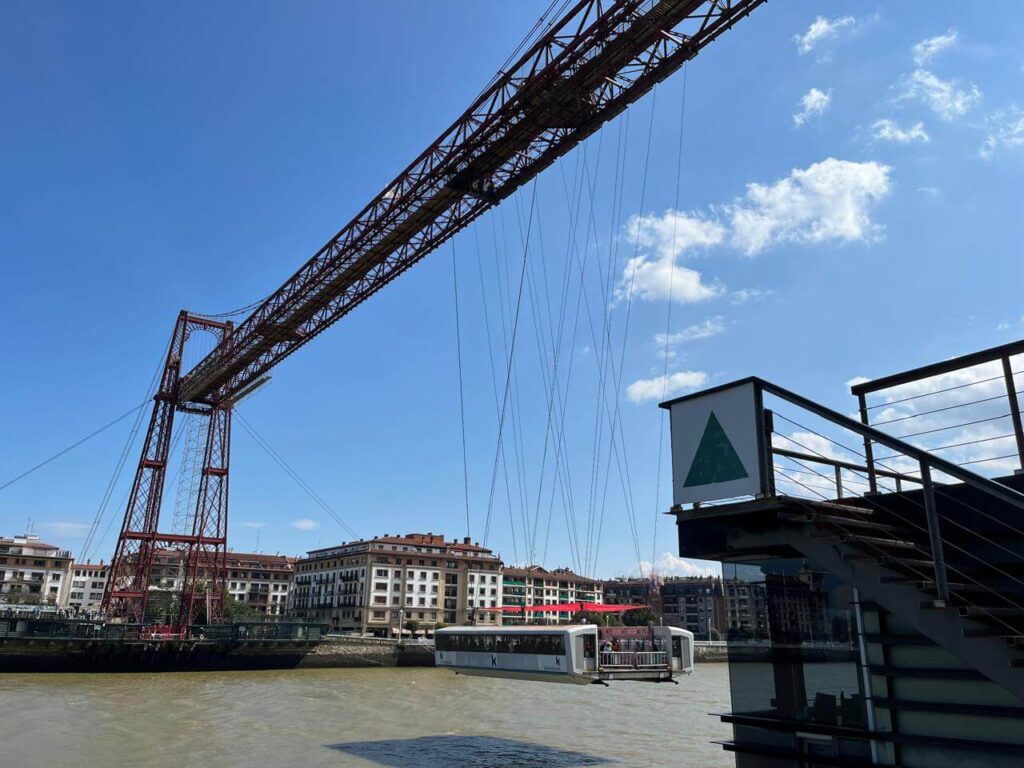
(33,572)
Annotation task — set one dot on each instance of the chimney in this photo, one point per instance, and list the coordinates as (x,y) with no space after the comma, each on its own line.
(465,539)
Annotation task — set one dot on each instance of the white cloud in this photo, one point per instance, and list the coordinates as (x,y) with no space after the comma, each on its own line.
(820,31)
(669,564)
(857,380)
(743,295)
(944,97)
(828,201)
(926,50)
(250,524)
(665,386)
(660,240)
(1006,131)
(67,529)
(305,524)
(930,191)
(812,104)
(889,130)
(963,414)
(712,326)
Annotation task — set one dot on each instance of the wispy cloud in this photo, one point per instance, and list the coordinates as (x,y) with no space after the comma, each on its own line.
(712,326)
(665,386)
(67,530)
(946,98)
(305,524)
(926,50)
(821,31)
(889,130)
(744,295)
(251,524)
(1005,131)
(812,104)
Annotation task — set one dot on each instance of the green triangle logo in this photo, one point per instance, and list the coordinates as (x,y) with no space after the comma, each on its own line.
(716,461)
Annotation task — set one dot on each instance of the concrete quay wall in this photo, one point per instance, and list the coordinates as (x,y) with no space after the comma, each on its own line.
(341,651)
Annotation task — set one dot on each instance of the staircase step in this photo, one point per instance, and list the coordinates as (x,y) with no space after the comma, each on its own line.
(852,522)
(905,562)
(1004,633)
(975,611)
(877,542)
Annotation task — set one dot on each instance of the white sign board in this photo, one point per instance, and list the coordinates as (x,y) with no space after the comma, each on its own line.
(715,439)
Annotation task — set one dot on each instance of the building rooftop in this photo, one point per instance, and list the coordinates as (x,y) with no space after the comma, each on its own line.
(415,540)
(564,574)
(33,545)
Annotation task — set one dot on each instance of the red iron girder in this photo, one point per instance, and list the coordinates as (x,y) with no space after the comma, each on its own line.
(592,63)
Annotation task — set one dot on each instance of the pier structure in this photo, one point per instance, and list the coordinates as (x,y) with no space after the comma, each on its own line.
(888,551)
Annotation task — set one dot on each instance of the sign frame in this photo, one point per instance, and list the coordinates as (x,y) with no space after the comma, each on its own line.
(719,444)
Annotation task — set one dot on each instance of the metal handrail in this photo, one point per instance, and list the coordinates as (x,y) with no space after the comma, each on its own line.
(991,487)
(1001,354)
(633,659)
(926,462)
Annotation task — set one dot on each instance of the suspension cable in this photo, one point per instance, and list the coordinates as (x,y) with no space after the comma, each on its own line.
(511,359)
(74,445)
(462,399)
(662,421)
(279,460)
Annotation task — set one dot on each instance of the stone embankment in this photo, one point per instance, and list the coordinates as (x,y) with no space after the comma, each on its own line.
(343,651)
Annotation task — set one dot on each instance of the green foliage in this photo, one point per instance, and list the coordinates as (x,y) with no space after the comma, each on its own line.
(439,625)
(600,619)
(715,634)
(642,617)
(412,626)
(236,611)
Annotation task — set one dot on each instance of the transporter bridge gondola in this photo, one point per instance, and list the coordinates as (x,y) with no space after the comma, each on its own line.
(580,654)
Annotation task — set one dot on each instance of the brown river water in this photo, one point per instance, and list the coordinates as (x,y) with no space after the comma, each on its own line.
(412,717)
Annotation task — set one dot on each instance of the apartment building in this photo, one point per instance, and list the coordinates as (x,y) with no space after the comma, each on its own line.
(625,591)
(376,586)
(32,571)
(534,585)
(696,604)
(260,581)
(88,581)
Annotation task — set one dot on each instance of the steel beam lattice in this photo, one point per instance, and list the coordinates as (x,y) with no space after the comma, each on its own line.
(591,64)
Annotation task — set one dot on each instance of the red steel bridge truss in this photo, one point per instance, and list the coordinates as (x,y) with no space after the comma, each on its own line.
(585,68)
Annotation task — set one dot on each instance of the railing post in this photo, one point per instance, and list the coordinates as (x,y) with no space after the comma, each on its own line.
(869,457)
(1011,393)
(934,535)
(768,460)
(839,482)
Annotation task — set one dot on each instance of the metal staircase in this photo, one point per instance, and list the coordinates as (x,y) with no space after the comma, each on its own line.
(932,554)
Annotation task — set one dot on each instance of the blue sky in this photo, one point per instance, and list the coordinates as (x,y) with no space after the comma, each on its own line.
(849,204)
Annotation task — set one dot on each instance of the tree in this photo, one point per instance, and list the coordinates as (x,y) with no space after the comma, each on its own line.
(235,611)
(439,625)
(412,626)
(593,617)
(641,617)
